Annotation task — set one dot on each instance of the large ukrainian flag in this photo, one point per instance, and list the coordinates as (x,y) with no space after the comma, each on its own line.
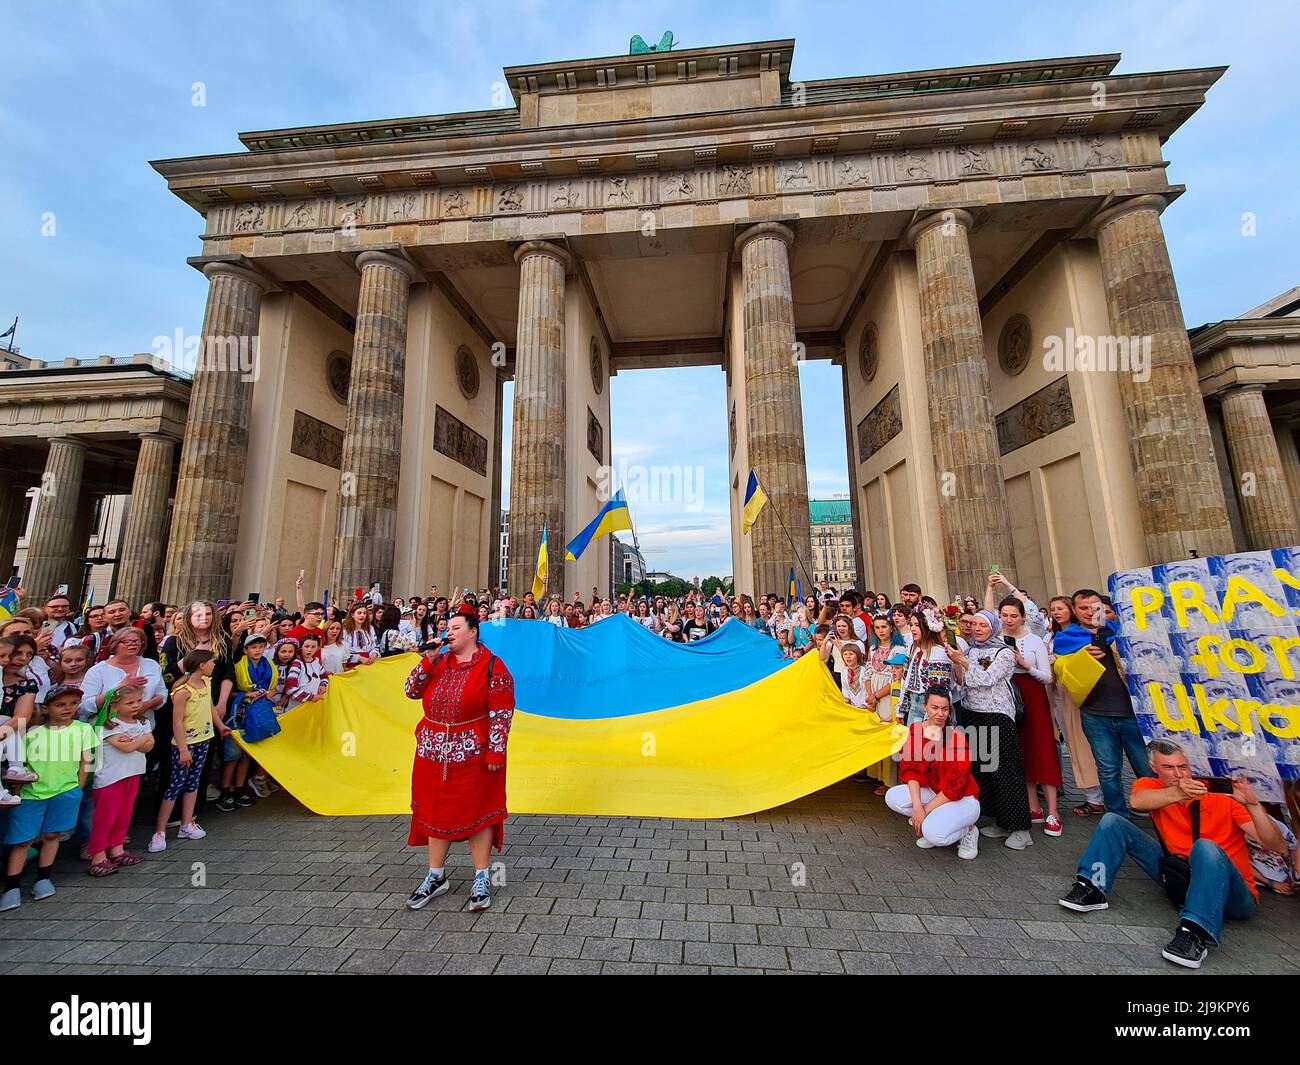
(755,498)
(613,517)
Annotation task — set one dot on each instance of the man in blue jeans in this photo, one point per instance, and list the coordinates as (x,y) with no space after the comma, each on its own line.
(1107,713)
(1222,881)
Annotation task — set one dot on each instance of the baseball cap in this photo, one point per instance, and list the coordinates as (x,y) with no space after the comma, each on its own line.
(62,689)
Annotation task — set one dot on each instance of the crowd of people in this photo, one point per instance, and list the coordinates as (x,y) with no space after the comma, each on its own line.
(118,704)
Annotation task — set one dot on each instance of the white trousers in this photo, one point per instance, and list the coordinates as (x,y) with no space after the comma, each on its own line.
(944,826)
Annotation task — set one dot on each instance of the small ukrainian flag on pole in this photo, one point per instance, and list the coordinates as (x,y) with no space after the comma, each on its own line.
(755,499)
(543,569)
(613,517)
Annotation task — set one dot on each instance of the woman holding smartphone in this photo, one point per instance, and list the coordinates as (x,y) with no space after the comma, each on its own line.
(1037,735)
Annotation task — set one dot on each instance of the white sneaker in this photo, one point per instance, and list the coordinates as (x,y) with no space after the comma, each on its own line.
(260,787)
(190,831)
(924,843)
(157,842)
(1018,841)
(8,798)
(994,832)
(969,847)
(213,793)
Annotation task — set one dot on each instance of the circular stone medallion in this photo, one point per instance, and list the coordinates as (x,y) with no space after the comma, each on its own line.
(1014,344)
(597,368)
(338,374)
(467,375)
(869,352)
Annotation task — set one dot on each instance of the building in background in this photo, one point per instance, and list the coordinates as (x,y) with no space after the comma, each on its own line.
(834,553)
(628,564)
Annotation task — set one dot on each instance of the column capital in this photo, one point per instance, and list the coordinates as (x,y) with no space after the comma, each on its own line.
(1112,212)
(393,262)
(779,230)
(70,441)
(545,247)
(945,216)
(240,270)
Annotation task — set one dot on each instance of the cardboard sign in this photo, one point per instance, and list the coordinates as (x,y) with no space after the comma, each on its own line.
(1211,653)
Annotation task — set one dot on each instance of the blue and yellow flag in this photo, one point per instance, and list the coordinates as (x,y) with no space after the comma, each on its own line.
(613,517)
(543,569)
(755,498)
(794,594)
(8,604)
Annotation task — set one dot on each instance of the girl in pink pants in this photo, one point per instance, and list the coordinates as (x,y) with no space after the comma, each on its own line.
(126,738)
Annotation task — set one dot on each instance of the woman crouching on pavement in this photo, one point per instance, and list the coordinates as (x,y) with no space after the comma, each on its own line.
(938,792)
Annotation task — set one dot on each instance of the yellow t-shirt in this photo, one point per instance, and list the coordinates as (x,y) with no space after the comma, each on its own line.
(198,711)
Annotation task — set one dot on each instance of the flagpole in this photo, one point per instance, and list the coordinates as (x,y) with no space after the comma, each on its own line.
(793,550)
(636,544)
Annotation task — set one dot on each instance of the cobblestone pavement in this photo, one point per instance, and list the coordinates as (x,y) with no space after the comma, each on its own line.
(287,891)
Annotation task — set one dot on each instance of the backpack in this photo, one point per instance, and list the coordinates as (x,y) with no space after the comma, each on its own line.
(260,720)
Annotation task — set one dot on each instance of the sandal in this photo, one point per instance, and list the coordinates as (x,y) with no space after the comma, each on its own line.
(881,789)
(125,859)
(102,869)
(1087,809)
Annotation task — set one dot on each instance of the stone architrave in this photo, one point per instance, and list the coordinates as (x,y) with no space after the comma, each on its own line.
(1266,509)
(537,448)
(52,548)
(146,521)
(214,455)
(973,517)
(774,415)
(366,536)
(1180,496)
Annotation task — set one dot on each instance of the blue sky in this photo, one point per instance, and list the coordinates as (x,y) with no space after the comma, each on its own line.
(89,92)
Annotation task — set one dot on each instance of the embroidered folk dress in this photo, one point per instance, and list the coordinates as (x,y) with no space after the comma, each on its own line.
(465,728)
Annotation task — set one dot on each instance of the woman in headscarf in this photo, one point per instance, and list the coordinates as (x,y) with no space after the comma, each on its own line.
(989,707)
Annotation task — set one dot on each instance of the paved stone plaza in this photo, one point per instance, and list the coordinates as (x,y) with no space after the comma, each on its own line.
(290,892)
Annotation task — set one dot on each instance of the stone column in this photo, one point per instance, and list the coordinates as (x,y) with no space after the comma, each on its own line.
(210,485)
(973,518)
(13,498)
(1180,496)
(850,443)
(366,532)
(1266,510)
(774,418)
(495,576)
(537,471)
(52,550)
(1284,434)
(146,521)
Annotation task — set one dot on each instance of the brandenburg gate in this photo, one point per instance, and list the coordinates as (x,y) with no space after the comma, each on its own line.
(931,233)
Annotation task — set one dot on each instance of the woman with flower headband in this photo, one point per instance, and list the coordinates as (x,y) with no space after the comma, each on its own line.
(458,782)
(928,664)
(989,707)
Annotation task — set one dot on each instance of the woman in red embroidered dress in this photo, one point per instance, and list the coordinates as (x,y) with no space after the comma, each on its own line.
(458,783)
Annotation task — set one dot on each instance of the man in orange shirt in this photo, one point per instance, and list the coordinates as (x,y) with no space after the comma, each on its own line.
(1222,883)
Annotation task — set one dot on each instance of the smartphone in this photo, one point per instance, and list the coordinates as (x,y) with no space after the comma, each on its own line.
(254,597)
(62,589)
(995,568)
(14,582)
(1098,641)
(222,604)
(1010,641)
(1218,786)
(249,615)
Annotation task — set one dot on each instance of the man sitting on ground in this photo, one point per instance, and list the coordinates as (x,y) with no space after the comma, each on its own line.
(1208,829)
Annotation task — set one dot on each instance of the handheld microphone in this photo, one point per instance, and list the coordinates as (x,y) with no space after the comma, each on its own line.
(434,644)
